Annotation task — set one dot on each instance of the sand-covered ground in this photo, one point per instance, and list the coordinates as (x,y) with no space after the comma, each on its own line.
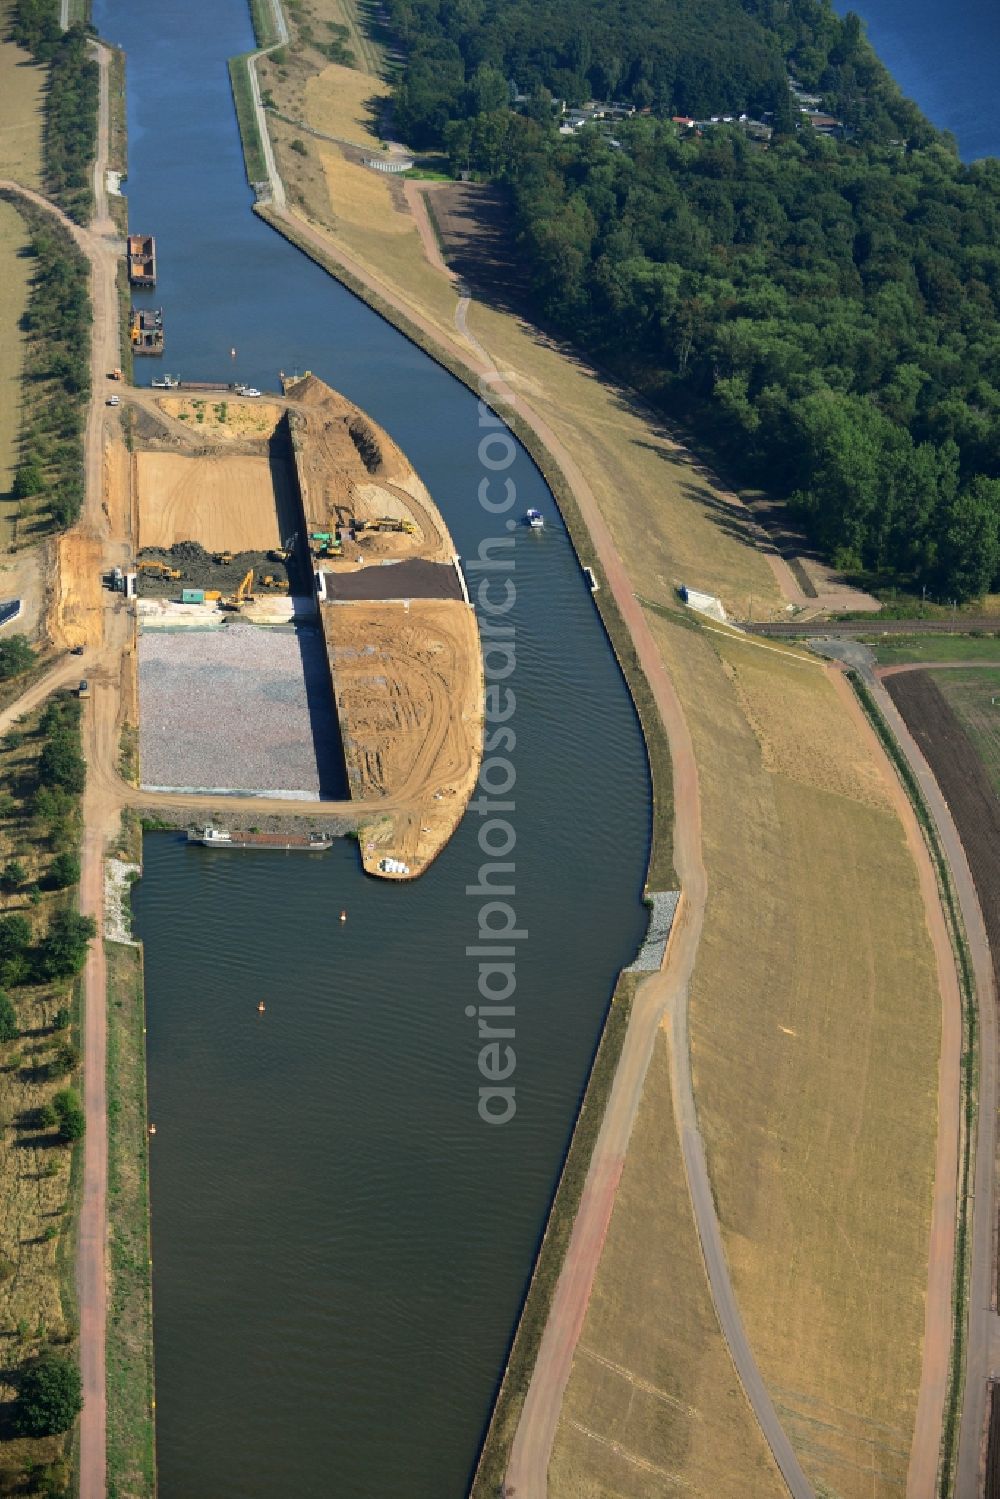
(233,501)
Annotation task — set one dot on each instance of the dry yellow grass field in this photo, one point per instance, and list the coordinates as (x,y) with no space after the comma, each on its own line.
(339,102)
(14,273)
(815,1024)
(21,87)
(654,1406)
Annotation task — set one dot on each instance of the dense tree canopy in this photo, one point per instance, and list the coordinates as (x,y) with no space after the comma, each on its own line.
(826,309)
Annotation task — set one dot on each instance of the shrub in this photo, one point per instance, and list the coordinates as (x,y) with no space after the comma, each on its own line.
(298,146)
(63,950)
(69,1115)
(9,1029)
(14,875)
(50,1397)
(16,656)
(64,871)
(66,1059)
(61,1018)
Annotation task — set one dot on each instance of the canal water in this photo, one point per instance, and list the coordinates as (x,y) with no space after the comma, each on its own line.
(340,1243)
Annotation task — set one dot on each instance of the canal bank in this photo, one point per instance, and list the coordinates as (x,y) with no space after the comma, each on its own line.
(423,1365)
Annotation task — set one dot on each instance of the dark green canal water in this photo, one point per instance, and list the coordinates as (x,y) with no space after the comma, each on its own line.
(340,1243)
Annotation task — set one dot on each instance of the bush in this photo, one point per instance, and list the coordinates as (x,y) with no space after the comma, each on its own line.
(15,936)
(61,1018)
(50,1397)
(14,875)
(69,1115)
(64,871)
(61,763)
(63,950)
(9,1029)
(16,656)
(298,146)
(66,1059)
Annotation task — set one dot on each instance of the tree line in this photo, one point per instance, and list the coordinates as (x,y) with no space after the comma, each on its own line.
(49,480)
(825,311)
(71,102)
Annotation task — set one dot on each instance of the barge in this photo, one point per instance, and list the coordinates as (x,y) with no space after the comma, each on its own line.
(211,837)
(142,260)
(146,330)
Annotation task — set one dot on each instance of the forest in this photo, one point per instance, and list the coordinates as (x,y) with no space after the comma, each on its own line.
(823,311)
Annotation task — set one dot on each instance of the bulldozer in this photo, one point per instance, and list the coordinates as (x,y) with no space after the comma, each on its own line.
(222,559)
(160,570)
(282,553)
(243,594)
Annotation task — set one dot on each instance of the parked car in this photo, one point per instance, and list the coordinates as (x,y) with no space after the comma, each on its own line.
(114,400)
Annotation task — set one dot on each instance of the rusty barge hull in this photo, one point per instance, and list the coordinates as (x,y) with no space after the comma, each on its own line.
(141,254)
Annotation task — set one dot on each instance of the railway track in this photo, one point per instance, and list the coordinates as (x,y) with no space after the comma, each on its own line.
(852,628)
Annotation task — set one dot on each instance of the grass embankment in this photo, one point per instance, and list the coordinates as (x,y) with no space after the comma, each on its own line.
(559,1227)
(42,948)
(48,484)
(815,1026)
(956,931)
(71,103)
(22,105)
(253,151)
(131,1450)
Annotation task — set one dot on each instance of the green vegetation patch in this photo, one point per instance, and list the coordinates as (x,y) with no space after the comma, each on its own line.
(131,1449)
(71,102)
(901,650)
(253,151)
(974,696)
(49,481)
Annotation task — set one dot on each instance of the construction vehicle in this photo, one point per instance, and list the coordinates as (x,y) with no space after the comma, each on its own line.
(282,553)
(268,580)
(114,374)
(324,544)
(243,594)
(160,570)
(223,559)
(213,595)
(392,523)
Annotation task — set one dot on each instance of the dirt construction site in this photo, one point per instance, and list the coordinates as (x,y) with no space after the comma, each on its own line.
(303,620)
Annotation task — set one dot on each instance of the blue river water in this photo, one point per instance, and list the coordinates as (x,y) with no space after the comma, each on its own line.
(340,1243)
(946,59)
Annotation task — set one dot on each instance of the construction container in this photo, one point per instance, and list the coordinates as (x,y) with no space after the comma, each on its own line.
(192,595)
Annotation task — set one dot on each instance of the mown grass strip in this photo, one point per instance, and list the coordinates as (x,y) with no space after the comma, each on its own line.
(246,115)
(130,1370)
(969,1076)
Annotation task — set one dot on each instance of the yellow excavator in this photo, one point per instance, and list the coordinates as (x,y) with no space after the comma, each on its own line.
(243,594)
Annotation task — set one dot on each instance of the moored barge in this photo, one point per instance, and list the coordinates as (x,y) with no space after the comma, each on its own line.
(211,837)
(142,260)
(147,330)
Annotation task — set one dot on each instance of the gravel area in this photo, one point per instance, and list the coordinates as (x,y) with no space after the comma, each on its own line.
(243,708)
(661,919)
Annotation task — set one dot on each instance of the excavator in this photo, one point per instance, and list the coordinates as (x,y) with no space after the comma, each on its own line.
(243,594)
(282,553)
(159,569)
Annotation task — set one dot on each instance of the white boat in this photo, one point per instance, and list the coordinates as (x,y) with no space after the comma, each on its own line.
(169,382)
(535,519)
